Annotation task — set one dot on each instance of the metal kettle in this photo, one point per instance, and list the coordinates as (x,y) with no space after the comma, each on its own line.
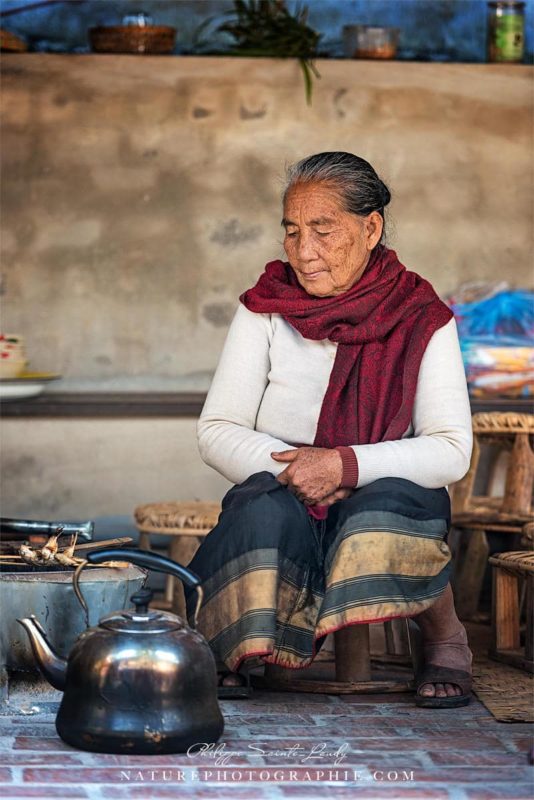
(141,681)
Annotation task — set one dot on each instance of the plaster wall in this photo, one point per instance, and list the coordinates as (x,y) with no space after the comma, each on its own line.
(141,196)
(81,469)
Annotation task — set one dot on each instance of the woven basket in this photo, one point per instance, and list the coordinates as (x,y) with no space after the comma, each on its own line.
(9,43)
(146,39)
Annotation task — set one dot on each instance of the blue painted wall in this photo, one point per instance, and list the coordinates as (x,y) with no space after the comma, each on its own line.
(448,30)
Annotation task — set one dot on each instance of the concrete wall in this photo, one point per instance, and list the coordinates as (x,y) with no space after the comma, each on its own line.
(141,196)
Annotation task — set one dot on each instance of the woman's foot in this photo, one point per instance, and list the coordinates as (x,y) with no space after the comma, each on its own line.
(226,677)
(446,677)
(231,679)
(452,654)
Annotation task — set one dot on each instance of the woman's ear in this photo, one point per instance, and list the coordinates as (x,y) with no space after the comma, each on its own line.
(374,224)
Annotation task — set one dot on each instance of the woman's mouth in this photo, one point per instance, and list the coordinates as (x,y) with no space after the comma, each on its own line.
(310,276)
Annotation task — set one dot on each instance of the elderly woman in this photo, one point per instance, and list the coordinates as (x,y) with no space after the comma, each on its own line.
(339,409)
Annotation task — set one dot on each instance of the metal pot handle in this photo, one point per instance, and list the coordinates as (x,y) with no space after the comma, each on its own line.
(143,558)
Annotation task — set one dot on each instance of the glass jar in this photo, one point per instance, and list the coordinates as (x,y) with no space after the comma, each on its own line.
(506,31)
(370,41)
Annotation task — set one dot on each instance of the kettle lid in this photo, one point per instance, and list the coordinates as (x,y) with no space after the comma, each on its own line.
(132,622)
(142,620)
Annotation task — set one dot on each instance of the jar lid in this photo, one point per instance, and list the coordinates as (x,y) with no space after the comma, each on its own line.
(138,19)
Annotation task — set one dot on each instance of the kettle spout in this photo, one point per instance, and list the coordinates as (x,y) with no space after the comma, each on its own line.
(51,665)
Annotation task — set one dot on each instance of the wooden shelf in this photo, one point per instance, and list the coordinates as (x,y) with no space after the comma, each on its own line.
(168,404)
(101,404)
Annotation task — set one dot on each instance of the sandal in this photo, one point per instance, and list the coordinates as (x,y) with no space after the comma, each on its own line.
(240,686)
(432,673)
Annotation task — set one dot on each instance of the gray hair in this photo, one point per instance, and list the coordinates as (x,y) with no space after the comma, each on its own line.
(361,190)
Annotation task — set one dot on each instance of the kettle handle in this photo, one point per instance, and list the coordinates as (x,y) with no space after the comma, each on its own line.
(155,562)
(144,558)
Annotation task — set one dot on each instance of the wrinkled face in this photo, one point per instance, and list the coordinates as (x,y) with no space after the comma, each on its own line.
(327,247)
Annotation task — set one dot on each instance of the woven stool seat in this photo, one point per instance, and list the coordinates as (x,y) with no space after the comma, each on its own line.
(502,422)
(185,523)
(177,517)
(520,561)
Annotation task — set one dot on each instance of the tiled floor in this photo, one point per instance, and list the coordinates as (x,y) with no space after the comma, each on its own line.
(288,746)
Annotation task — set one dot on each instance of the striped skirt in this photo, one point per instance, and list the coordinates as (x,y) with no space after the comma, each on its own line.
(276,581)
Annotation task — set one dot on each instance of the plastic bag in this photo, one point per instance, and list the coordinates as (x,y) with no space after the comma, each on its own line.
(496,329)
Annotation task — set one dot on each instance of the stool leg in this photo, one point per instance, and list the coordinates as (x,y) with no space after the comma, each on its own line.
(471,562)
(353,659)
(396,632)
(144,540)
(169,589)
(181,549)
(416,646)
(529,633)
(505,611)
(274,672)
(518,489)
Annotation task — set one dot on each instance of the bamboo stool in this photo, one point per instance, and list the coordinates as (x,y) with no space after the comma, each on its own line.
(508,570)
(353,668)
(186,523)
(474,515)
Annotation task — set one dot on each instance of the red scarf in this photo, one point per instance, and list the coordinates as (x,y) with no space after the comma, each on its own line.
(382,325)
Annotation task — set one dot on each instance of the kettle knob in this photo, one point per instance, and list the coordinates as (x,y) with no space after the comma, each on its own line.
(141,600)
(148,560)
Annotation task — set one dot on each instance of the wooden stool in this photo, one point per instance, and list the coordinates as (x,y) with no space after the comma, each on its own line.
(508,569)
(186,523)
(474,515)
(353,673)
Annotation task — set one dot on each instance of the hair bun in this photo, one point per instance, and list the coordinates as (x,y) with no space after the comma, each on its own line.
(385,194)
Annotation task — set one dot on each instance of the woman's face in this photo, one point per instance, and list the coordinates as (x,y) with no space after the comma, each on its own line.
(327,247)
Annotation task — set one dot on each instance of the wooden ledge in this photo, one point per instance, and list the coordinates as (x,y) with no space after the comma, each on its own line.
(165,404)
(102,404)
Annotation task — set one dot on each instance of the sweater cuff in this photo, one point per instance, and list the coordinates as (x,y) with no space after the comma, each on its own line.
(350,467)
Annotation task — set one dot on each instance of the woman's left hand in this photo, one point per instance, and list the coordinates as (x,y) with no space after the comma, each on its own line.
(312,474)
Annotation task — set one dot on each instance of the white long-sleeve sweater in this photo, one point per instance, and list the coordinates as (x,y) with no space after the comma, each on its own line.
(267,393)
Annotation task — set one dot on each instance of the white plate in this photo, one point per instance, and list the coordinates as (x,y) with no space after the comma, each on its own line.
(27,385)
(14,391)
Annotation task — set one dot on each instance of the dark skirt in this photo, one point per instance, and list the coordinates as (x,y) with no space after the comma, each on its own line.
(276,581)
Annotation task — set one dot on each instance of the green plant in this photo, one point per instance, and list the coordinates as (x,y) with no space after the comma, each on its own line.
(267,28)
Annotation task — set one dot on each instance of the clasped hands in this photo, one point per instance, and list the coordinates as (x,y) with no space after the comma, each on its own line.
(313,475)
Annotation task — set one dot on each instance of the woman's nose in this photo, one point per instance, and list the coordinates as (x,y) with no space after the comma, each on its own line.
(306,250)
